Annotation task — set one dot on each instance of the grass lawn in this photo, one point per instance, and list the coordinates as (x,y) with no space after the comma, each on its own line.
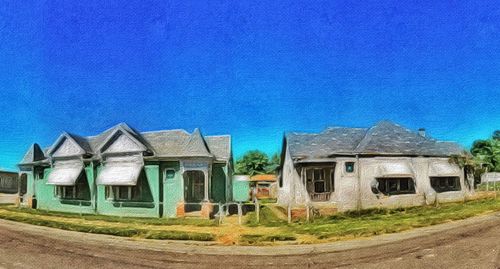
(272,229)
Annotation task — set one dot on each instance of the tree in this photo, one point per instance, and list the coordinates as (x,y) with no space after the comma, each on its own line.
(487,153)
(252,163)
(257,162)
(274,164)
(496,135)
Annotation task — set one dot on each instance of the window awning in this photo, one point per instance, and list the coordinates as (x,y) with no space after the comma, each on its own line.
(120,171)
(442,169)
(400,169)
(65,173)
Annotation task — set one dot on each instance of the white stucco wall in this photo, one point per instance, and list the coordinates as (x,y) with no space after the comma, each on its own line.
(293,192)
(347,196)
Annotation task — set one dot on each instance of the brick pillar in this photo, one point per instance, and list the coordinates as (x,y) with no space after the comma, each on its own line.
(206,209)
(29,202)
(180,212)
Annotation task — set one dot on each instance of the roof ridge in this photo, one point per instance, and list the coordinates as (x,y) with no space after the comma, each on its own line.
(166,130)
(367,137)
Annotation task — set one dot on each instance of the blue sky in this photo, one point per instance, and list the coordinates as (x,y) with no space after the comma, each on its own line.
(254,69)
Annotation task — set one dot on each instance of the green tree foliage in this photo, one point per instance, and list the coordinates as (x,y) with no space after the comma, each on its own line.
(485,157)
(257,162)
(496,135)
(487,152)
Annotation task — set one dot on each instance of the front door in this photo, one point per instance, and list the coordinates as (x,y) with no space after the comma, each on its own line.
(194,186)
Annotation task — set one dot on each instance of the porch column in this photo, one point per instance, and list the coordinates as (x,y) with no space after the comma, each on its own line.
(206,196)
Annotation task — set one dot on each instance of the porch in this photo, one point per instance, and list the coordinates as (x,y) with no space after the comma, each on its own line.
(319,180)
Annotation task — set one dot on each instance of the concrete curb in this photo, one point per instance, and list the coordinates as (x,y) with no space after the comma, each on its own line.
(210,248)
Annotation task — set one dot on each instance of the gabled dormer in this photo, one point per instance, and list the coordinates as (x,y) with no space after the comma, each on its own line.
(196,146)
(33,155)
(70,145)
(122,140)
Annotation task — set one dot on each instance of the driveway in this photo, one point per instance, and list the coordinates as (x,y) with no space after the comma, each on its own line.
(472,243)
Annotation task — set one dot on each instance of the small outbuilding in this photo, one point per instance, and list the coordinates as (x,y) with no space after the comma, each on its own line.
(264,185)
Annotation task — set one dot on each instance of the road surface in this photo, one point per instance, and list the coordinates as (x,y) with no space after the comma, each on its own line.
(473,243)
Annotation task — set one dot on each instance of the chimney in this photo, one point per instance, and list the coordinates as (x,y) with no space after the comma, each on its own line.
(421,132)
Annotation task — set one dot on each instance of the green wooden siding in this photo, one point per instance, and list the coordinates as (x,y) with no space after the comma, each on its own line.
(241,190)
(47,200)
(218,189)
(173,189)
(160,195)
(148,206)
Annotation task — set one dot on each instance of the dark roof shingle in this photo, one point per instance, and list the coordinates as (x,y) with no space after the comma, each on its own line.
(167,143)
(385,138)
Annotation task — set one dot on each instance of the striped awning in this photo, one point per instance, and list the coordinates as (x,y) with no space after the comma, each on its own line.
(120,171)
(65,173)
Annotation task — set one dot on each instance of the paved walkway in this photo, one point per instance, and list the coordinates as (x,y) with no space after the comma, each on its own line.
(472,243)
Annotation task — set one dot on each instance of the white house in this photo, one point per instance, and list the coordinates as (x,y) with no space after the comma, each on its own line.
(357,168)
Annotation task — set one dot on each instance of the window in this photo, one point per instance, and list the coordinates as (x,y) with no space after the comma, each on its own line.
(123,193)
(444,184)
(136,195)
(349,167)
(39,172)
(319,182)
(169,174)
(66,192)
(395,186)
(80,191)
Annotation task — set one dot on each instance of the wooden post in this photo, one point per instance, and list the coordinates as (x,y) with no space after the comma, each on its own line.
(257,210)
(239,213)
(220,213)
(289,213)
(80,208)
(495,187)
(307,212)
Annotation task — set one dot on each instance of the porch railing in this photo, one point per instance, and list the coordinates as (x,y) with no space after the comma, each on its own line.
(320,197)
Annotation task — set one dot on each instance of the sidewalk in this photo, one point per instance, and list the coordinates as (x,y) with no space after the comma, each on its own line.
(207,248)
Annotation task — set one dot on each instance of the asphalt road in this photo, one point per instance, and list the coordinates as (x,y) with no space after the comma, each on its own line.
(468,244)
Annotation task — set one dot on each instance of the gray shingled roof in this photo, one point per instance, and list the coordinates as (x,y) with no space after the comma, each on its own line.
(196,145)
(385,138)
(167,143)
(34,154)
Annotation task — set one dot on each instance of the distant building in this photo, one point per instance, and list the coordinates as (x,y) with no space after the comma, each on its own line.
(8,182)
(128,173)
(265,185)
(490,177)
(9,187)
(383,166)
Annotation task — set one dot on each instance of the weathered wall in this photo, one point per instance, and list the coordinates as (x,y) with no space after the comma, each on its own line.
(352,192)
(293,192)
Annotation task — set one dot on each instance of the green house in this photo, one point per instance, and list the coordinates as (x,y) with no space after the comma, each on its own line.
(124,172)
